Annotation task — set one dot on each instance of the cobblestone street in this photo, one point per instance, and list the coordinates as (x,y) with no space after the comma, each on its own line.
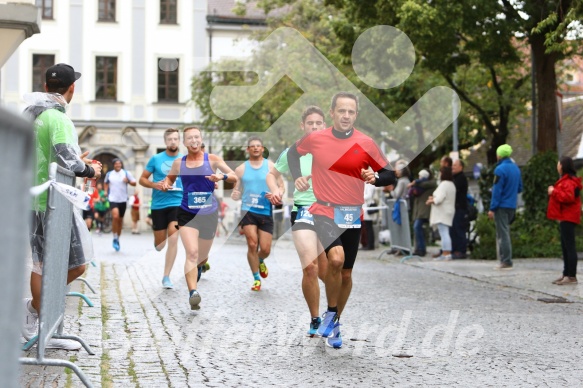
(426,323)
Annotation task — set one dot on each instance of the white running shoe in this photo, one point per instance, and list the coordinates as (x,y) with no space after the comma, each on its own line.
(57,343)
(30,329)
(30,324)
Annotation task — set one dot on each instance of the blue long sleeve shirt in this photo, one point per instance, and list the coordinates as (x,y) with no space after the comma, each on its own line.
(507,185)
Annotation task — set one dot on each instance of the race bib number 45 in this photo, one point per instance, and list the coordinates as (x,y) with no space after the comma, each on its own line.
(347,217)
(199,200)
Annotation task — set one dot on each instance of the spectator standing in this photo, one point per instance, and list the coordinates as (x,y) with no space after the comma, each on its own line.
(457,232)
(565,207)
(55,141)
(507,185)
(222,214)
(419,191)
(135,202)
(446,161)
(100,206)
(368,218)
(399,191)
(442,210)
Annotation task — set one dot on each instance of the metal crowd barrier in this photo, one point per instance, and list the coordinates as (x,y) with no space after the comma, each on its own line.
(16,155)
(59,218)
(400,234)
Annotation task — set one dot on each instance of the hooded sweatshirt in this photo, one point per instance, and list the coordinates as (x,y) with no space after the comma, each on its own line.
(55,139)
(565,201)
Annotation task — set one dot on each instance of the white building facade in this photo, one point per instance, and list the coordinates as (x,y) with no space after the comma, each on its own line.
(137,59)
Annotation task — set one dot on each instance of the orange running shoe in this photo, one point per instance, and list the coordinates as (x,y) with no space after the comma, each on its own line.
(256,285)
(263,272)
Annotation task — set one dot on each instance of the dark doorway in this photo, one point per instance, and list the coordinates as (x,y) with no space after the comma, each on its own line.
(106,160)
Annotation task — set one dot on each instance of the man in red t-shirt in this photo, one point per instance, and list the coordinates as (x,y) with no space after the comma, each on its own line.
(342,156)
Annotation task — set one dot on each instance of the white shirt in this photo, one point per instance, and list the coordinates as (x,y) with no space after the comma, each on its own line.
(118,189)
(443,207)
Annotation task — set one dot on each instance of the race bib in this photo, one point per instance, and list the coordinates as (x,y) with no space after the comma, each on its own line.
(257,201)
(304,215)
(347,217)
(199,200)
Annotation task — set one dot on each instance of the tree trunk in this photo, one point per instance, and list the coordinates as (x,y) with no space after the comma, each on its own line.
(497,140)
(546,86)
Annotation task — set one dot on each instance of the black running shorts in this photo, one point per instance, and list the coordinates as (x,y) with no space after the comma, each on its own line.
(121,206)
(205,224)
(263,222)
(331,235)
(161,218)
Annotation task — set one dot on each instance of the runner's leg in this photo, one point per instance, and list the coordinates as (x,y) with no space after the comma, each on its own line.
(350,248)
(252,237)
(172,248)
(115,223)
(306,243)
(345,289)
(160,237)
(265,239)
(334,275)
(190,242)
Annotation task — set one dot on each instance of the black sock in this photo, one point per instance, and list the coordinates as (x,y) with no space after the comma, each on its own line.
(333,309)
(315,319)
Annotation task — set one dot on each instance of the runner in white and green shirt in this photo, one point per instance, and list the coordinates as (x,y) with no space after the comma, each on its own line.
(313,261)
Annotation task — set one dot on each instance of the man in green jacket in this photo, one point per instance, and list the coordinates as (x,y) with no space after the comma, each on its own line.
(56,141)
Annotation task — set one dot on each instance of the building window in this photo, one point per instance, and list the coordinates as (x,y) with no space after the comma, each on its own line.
(106,78)
(168,12)
(40,64)
(168,79)
(570,78)
(46,7)
(106,11)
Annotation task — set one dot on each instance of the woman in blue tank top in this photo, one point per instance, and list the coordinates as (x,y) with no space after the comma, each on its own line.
(197,214)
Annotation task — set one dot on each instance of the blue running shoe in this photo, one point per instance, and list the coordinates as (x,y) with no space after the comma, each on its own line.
(116,244)
(199,274)
(166,283)
(314,327)
(334,340)
(327,324)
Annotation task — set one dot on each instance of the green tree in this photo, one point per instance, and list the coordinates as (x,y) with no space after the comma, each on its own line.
(477,59)
(315,22)
(539,173)
(268,110)
(494,36)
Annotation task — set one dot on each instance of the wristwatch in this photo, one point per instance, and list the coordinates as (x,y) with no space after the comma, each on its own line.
(225,176)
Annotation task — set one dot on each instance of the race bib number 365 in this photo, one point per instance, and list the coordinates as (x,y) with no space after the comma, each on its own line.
(199,200)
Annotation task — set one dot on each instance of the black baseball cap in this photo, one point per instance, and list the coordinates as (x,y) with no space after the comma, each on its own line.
(61,75)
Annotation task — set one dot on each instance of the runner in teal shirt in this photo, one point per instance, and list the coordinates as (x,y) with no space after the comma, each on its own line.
(257,219)
(164,204)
